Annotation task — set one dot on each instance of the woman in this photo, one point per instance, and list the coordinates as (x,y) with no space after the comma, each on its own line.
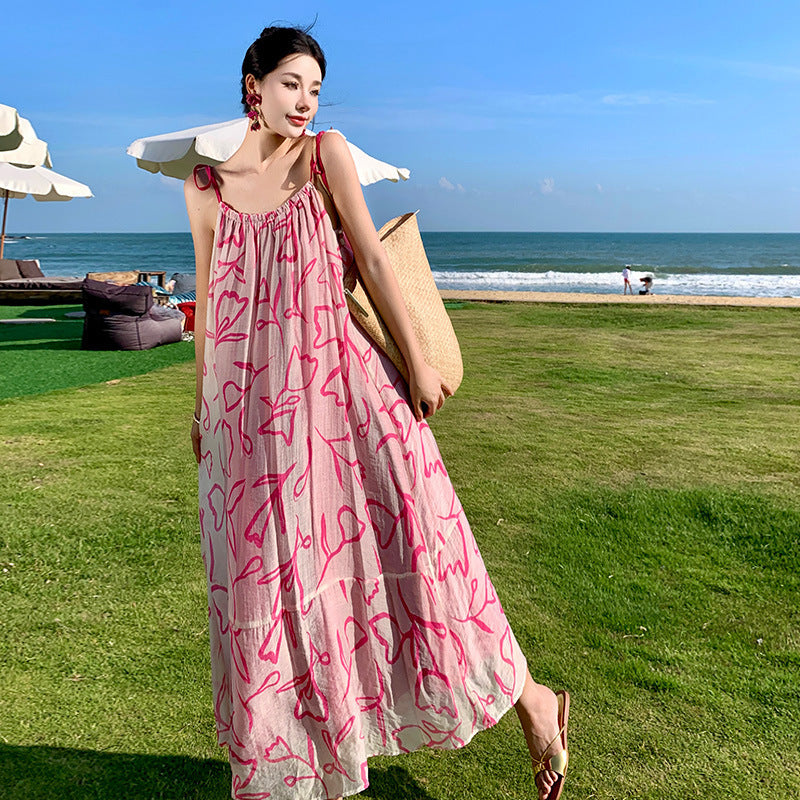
(350,611)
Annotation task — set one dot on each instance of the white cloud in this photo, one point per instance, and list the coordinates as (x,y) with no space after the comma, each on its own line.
(460,188)
(171,183)
(138,125)
(547,185)
(626,100)
(768,72)
(484,110)
(749,69)
(652,99)
(600,187)
(545,102)
(445,184)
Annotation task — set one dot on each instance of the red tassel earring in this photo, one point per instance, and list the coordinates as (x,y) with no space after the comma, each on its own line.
(254,101)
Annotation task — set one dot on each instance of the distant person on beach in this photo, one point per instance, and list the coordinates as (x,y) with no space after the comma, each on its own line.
(350,613)
(647,285)
(626,276)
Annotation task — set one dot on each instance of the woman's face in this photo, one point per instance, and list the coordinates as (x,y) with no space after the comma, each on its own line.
(290,95)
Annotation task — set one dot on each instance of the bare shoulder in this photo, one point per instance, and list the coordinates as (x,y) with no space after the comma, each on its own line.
(191,191)
(200,203)
(333,148)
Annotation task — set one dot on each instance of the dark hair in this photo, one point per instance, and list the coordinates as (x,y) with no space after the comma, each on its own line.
(274,44)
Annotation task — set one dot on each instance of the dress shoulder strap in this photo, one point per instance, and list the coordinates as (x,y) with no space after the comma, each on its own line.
(316,162)
(210,179)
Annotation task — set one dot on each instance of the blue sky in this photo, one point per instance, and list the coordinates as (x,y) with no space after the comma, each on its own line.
(534,116)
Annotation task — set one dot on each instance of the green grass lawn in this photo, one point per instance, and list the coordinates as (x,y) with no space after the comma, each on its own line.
(40,357)
(630,474)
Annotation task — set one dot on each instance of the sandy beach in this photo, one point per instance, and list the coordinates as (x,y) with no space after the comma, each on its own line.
(587,297)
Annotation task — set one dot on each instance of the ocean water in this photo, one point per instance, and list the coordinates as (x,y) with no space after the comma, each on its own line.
(748,264)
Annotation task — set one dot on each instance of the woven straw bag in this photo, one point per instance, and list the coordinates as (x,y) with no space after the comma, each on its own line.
(437,339)
(429,319)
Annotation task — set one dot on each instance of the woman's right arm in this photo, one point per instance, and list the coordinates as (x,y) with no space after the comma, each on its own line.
(202,210)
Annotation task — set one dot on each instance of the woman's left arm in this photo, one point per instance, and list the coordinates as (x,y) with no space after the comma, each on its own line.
(425,383)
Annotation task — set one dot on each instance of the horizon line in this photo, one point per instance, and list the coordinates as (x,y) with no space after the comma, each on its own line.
(422,230)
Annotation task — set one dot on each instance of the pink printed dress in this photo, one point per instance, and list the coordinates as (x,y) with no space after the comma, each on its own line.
(350,611)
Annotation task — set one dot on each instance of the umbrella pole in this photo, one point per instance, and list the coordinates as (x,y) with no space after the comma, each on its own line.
(3,234)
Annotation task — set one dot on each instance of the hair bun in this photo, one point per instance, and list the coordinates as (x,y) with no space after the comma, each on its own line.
(272,46)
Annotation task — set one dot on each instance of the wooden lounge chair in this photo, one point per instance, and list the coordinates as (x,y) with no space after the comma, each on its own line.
(22,281)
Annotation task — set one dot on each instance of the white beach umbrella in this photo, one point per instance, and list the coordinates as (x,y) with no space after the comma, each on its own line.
(38,182)
(18,141)
(176,154)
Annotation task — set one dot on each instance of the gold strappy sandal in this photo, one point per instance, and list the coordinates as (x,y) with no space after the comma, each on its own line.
(556,763)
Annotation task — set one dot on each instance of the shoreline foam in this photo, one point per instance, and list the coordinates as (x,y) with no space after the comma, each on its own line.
(488,296)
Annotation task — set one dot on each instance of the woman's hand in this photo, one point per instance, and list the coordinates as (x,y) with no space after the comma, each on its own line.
(196,440)
(426,386)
